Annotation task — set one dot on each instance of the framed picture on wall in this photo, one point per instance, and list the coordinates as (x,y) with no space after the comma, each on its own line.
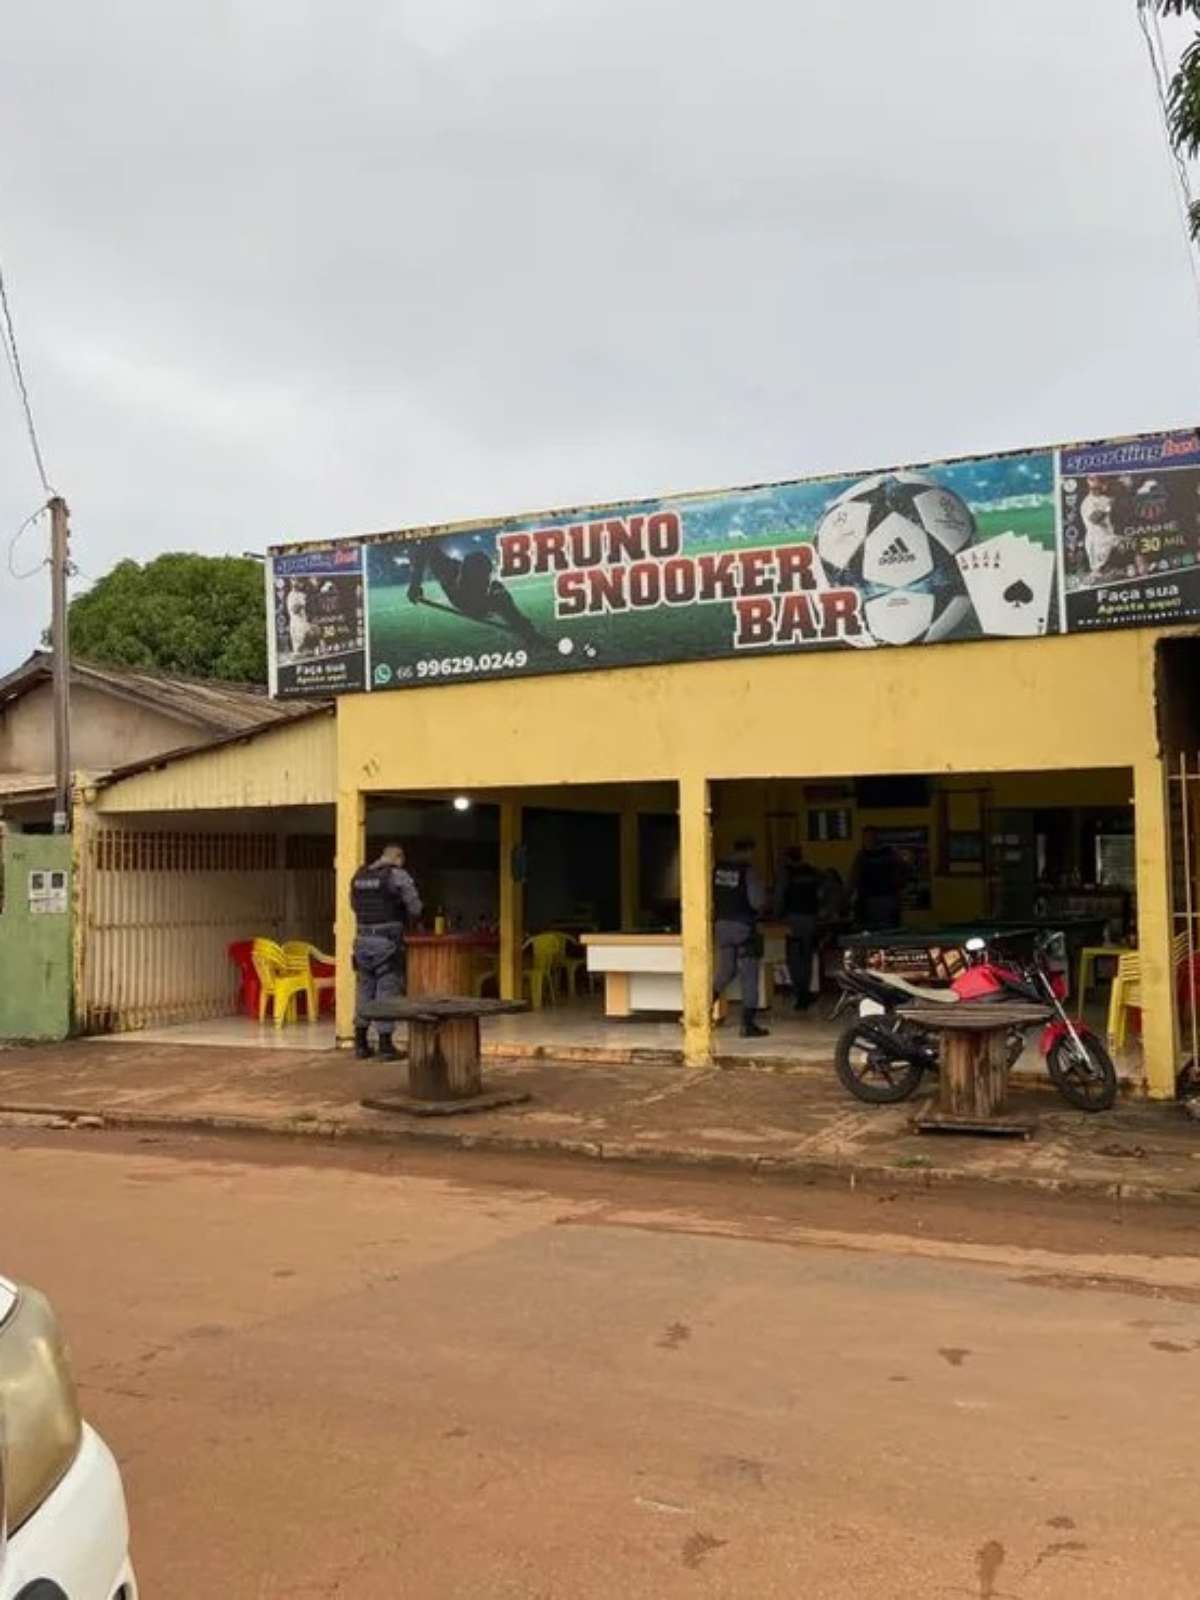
(965,852)
(827,823)
(963,833)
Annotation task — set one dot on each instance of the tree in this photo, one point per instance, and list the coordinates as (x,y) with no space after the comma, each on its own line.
(196,616)
(1183,97)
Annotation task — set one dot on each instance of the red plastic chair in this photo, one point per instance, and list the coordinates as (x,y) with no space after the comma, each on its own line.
(1187,983)
(241,953)
(326,998)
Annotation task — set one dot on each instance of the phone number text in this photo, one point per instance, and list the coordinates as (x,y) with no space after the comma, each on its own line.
(462,666)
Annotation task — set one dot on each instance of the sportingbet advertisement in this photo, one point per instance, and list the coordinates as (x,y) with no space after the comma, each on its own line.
(1131,532)
(989,547)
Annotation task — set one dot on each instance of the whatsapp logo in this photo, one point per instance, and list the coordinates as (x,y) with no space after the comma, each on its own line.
(383,674)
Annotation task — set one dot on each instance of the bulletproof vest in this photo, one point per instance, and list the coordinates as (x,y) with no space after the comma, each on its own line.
(731,903)
(374,899)
(801,891)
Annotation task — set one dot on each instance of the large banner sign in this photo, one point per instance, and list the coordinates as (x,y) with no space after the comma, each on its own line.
(316,602)
(1131,532)
(1012,546)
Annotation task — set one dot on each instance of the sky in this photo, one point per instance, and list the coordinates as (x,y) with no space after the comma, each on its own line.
(288,269)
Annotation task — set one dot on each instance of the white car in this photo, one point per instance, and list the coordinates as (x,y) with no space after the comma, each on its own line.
(65,1535)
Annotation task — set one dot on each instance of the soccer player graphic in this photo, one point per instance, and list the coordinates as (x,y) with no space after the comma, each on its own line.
(470,589)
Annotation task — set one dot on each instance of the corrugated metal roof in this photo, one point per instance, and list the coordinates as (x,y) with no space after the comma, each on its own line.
(13,784)
(210,706)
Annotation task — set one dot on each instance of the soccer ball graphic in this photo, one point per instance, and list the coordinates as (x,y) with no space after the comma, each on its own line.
(894,538)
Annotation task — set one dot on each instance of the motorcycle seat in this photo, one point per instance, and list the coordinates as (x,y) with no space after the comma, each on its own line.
(940,997)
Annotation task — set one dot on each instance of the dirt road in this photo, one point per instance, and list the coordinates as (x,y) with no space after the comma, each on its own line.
(383,1375)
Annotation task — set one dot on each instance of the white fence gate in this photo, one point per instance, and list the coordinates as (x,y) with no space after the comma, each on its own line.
(159,910)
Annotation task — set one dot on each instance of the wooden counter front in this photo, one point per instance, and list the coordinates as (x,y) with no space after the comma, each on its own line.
(447,963)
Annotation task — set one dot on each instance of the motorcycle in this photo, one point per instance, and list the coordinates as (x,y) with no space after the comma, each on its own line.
(882,1056)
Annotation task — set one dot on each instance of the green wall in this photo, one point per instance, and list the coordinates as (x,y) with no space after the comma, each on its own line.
(35,948)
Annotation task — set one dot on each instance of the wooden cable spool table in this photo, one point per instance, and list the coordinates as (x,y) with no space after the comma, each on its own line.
(445,1074)
(973,1064)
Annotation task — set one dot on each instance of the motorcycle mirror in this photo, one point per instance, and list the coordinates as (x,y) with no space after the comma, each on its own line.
(976,945)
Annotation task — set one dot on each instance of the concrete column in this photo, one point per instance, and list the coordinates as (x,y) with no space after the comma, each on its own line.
(695,869)
(1160,1022)
(512,901)
(629,870)
(349,855)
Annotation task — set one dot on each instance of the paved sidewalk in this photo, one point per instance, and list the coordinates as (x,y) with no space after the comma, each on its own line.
(802,1126)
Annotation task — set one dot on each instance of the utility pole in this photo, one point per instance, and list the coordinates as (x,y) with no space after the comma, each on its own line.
(61,645)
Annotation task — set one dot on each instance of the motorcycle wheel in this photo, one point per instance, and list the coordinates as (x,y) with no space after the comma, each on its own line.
(1089,1084)
(868,1072)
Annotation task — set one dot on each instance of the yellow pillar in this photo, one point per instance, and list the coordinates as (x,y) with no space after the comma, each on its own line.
(629,870)
(695,869)
(1160,1022)
(512,902)
(349,855)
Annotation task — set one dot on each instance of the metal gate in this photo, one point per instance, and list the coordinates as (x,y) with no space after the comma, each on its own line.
(1183,785)
(159,910)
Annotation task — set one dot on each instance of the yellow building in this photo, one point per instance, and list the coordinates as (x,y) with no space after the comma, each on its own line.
(696,656)
(1068,722)
(615,694)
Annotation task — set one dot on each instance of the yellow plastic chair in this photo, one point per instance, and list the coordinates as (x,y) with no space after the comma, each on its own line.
(1088,958)
(1126,993)
(299,956)
(279,985)
(1125,996)
(571,966)
(540,977)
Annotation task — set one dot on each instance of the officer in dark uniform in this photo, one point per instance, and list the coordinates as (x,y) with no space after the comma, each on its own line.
(877,882)
(798,902)
(738,900)
(385,902)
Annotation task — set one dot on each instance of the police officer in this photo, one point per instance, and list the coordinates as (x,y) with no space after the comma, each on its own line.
(877,882)
(798,902)
(738,899)
(385,902)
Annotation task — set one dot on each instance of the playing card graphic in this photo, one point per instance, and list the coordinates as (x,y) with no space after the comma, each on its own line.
(1009,580)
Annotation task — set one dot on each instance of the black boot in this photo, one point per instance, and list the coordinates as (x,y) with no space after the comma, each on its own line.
(362,1045)
(387,1048)
(751,1029)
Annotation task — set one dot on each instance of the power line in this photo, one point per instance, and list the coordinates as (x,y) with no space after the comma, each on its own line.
(14,366)
(16,539)
(1155,48)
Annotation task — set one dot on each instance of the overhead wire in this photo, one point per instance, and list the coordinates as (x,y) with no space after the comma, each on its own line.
(15,541)
(1151,27)
(13,354)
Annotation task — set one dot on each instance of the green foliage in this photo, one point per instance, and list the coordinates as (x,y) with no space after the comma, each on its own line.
(1183,98)
(194,616)
(1183,102)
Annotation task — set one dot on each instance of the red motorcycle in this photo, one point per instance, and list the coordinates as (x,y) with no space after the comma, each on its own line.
(882,1056)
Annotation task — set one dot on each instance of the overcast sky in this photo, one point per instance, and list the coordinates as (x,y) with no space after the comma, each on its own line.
(284,269)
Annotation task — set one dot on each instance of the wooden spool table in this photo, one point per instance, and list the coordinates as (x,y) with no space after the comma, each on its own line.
(444,1070)
(973,1065)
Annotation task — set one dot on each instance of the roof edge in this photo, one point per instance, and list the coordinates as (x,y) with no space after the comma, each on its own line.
(166,758)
